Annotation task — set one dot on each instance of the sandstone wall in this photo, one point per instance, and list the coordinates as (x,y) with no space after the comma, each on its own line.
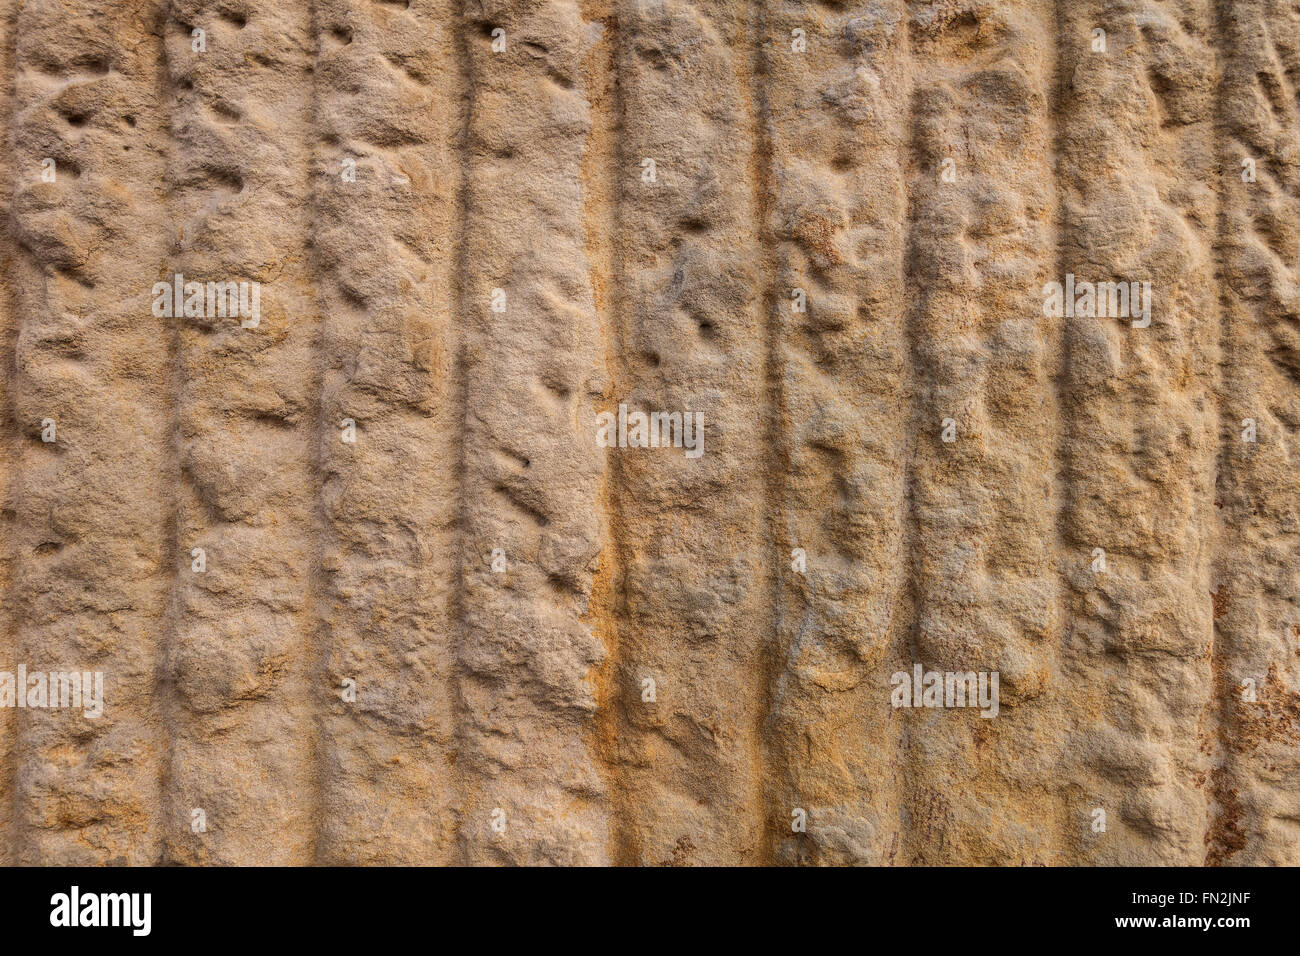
(366,586)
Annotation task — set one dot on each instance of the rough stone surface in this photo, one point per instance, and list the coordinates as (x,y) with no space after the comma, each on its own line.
(365,586)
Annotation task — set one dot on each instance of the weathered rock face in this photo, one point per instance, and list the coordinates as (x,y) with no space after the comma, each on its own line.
(619,431)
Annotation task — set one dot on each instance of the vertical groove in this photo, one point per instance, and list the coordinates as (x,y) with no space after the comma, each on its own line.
(604,165)
(619,685)
(1065,556)
(167,701)
(777,464)
(321,573)
(468,95)
(912,390)
(10,479)
(929,818)
(1222,838)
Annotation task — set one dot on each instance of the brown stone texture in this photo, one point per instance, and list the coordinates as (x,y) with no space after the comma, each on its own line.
(365,582)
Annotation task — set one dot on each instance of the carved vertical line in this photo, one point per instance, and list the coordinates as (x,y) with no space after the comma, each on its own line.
(10,478)
(465,785)
(605,166)
(777,463)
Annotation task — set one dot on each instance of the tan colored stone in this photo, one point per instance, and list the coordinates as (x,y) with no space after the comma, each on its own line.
(438,621)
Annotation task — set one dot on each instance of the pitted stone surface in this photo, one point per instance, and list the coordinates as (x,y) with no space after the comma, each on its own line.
(329,331)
